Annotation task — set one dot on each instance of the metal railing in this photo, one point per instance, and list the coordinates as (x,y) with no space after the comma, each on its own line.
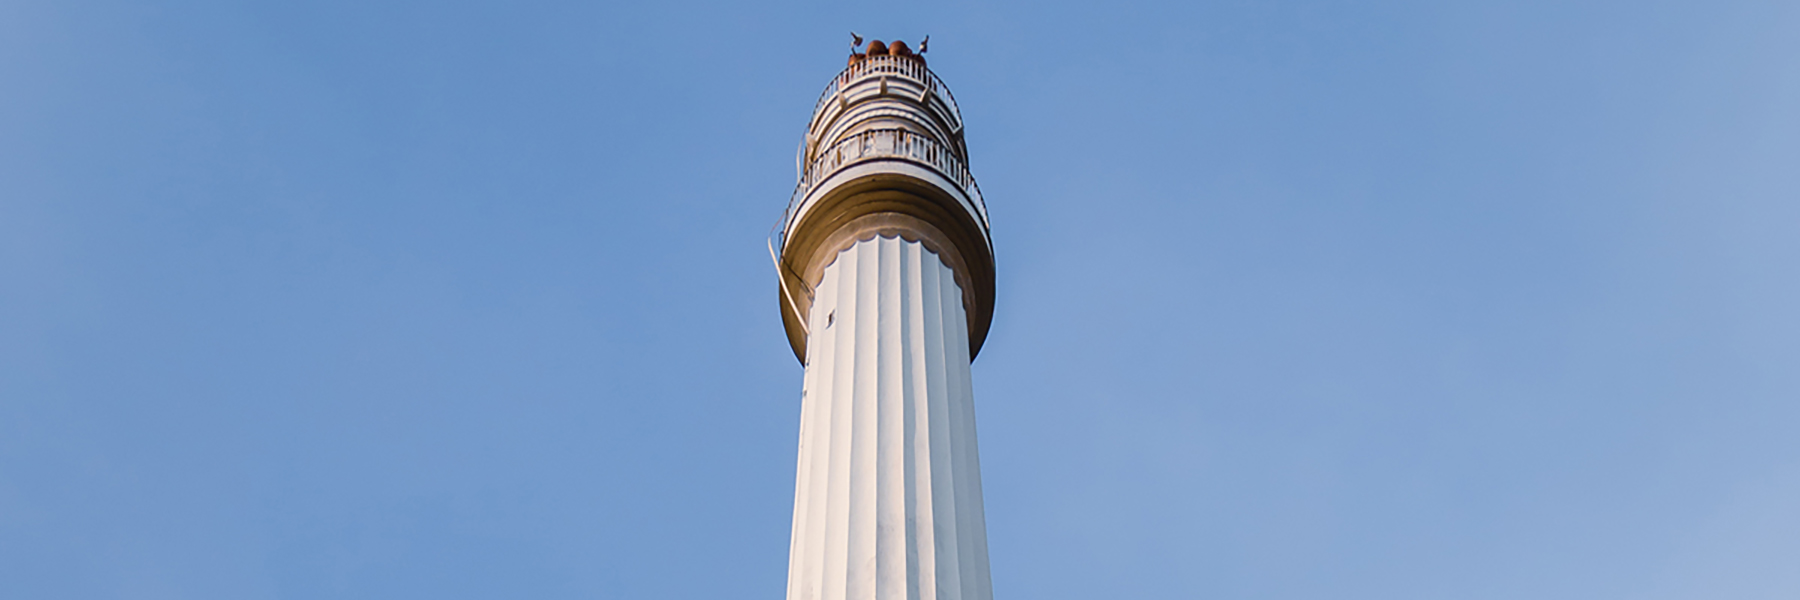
(885,144)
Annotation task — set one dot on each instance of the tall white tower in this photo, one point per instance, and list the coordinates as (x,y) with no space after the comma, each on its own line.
(887,289)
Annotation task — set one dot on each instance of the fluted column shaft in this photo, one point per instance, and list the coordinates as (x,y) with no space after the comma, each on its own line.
(887,502)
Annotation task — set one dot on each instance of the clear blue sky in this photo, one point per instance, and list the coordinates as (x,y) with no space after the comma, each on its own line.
(1303,300)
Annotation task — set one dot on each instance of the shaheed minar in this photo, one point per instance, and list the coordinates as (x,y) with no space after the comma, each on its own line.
(887,288)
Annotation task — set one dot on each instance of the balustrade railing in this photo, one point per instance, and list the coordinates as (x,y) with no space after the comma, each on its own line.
(883,144)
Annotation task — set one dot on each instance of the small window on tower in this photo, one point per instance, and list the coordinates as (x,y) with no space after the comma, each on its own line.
(830,318)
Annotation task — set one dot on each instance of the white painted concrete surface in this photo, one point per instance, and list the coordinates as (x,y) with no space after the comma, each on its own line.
(887,503)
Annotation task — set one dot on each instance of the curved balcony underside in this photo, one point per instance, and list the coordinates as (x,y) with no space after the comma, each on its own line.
(885,145)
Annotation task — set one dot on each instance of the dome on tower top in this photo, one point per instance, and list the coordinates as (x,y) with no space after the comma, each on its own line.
(894,48)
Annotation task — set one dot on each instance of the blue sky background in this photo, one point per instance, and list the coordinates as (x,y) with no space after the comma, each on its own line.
(1296,300)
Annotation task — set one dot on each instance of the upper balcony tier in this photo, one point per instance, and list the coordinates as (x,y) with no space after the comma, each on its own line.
(885,76)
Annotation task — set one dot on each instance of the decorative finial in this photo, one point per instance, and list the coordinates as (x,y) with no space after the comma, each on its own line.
(924,44)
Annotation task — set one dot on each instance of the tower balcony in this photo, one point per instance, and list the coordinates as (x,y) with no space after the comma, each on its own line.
(884,109)
(851,155)
(875,77)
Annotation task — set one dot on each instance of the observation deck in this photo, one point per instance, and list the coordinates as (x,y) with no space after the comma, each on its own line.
(884,155)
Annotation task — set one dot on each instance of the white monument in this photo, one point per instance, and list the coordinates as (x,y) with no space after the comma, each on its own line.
(887,289)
